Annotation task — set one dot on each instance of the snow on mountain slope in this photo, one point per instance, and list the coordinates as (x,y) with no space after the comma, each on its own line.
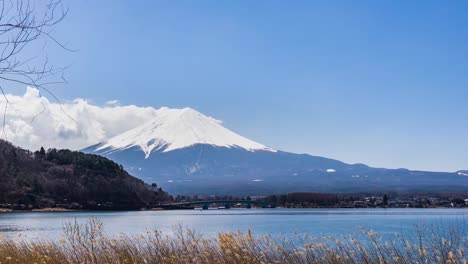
(173,129)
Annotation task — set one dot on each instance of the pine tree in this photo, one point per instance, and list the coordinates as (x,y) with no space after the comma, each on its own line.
(385,199)
(42,152)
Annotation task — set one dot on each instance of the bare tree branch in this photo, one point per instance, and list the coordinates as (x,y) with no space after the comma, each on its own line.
(4,112)
(22,23)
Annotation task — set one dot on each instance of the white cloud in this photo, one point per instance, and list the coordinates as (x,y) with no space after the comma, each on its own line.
(33,121)
(113,102)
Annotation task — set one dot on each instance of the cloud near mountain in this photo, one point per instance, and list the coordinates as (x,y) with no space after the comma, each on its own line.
(32,121)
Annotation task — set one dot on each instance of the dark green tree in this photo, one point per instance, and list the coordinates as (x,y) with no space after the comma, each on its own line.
(42,152)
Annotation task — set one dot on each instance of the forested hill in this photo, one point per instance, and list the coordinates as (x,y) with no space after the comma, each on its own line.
(69,179)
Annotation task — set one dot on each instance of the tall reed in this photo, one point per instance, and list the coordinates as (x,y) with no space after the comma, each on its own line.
(87,243)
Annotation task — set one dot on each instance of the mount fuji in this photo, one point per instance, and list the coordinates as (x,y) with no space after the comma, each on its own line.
(186,152)
(174,129)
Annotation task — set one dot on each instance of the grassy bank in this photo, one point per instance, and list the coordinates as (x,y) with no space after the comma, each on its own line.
(87,244)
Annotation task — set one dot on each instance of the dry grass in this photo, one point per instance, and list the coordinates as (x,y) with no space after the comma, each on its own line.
(87,244)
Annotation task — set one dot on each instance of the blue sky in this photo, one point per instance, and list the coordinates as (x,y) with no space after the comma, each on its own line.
(378,82)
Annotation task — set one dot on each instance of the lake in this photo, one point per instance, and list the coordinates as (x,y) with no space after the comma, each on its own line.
(276,222)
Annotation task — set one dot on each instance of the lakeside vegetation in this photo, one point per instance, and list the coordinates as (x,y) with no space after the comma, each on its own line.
(87,243)
(369,200)
(338,200)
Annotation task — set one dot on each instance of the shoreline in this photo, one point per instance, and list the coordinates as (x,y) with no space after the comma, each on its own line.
(64,210)
(53,209)
(58,209)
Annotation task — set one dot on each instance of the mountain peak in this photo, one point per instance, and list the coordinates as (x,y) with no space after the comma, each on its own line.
(173,129)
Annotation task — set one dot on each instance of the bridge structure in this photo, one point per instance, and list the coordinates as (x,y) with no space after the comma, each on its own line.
(206,203)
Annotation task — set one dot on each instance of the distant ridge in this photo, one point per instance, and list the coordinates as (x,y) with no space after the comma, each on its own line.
(187,152)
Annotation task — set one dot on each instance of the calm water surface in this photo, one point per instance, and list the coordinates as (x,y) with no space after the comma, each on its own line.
(287,222)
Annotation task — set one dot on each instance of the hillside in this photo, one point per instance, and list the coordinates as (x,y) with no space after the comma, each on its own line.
(70,179)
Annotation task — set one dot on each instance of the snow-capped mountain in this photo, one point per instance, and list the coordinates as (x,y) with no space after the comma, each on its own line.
(173,129)
(186,152)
